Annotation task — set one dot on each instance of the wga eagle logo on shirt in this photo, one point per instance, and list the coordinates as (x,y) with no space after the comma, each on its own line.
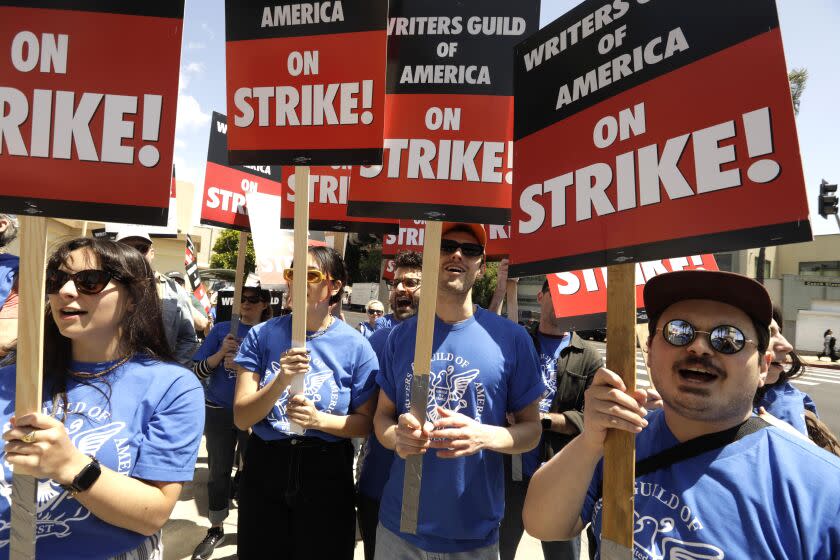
(57,511)
(319,387)
(452,386)
(548,369)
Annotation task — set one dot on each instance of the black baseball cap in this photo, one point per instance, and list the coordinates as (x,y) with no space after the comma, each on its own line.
(726,287)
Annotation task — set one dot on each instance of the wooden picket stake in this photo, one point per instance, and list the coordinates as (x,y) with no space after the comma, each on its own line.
(620,446)
(299,275)
(512,297)
(422,368)
(239,281)
(30,363)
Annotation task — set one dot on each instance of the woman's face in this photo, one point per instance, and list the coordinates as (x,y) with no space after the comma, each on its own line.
(82,317)
(779,349)
(251,312)
(320,292)
(374,312)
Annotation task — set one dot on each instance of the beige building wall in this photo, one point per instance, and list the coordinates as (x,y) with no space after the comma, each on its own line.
(822,248)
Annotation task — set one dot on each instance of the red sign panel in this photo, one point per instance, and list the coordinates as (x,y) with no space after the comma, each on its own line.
(390,268)
(87,108)
(449,122)
(580,297)
(225,185)
(664,131)
(306,82)
(328,190)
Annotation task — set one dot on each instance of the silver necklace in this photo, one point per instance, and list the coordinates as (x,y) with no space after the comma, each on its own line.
(323,331)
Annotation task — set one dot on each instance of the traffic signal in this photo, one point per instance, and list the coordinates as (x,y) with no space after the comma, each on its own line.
(827,202)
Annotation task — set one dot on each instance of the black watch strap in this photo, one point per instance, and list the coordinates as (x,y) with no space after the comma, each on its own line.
(85,479)
(546,422)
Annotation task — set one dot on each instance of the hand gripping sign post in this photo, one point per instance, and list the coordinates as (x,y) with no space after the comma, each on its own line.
(69,132)
(445,157)
(646,130)
(314,108)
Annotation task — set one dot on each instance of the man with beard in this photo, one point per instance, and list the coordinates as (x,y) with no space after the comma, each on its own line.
(712,480)
(483,367)
(568,365)
(375,461)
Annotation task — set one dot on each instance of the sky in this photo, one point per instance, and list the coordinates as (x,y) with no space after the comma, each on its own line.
(809,32)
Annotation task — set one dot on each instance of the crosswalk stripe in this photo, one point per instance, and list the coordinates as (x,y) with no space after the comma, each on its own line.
(800,382)
(819,379)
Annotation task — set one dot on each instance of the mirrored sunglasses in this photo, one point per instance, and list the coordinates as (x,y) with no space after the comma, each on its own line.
(725,339)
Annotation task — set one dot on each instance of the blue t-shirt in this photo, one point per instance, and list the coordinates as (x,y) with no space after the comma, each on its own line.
(341,378)
(377,459)
(222,382)
(145,422)
(366,329)
(386,321)
(550,348)
(786,402)
(483,367)
(766,495)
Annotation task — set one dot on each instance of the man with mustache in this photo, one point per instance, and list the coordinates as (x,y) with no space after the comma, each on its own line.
(375,461)
(727,485)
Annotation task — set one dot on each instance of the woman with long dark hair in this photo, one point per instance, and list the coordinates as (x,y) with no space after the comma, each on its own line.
(214,362)
(296,487)
(121,422)
(778,396)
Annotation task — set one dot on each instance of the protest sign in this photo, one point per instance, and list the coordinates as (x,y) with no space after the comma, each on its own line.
(498,242)
(225,185)
(580,297)
(448,128)
(88,91)
(411,237)
(328,190)
(306,81)
(273,246)
(646,130)
(193,277)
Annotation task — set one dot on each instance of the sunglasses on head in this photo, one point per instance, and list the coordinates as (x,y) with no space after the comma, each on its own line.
(88,282)
(725,339)
(251,299)
(313,276)
(409,283)
(375,312)
(449,246)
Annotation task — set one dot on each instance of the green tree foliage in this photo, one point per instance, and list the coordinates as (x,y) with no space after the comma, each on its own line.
(798,78)
(363,262)
(226,249)
(486,285)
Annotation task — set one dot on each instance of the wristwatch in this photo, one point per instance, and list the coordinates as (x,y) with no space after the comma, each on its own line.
(85,479)
(545,420)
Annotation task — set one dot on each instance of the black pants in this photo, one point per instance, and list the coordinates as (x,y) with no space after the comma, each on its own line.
(510,532)
(223,438)
(368,520)
(296,500)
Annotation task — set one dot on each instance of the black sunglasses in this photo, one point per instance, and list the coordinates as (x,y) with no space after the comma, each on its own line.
(251,299)
(449,246)
(409,283)
(88,282)
(725,339)
(375,312)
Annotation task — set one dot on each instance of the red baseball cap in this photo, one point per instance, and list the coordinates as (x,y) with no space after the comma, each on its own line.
(477,230)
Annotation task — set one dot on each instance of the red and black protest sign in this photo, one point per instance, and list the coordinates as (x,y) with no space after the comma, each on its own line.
(580,297)
(225,185)
(328,190)
(410,237)
(88,92)
(449,120)
(645,130)
(389,269)
(195,284)
(498,242)
(306,81)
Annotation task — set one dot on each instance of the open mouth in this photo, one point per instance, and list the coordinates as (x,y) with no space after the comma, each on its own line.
(68,312)
(455,269)
(695,375)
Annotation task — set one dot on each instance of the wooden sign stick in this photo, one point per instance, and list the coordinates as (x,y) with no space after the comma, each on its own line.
(620,446)
(239,281)
(512,298)
(299,275)
(422,367)
(30,364)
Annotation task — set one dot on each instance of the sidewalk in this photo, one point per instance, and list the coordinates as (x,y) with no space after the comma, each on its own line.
(188,524)
(814,361)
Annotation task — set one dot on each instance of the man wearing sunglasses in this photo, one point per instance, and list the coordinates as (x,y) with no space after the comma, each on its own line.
(483,368)
(712,480)
(375,461)
(175,302)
